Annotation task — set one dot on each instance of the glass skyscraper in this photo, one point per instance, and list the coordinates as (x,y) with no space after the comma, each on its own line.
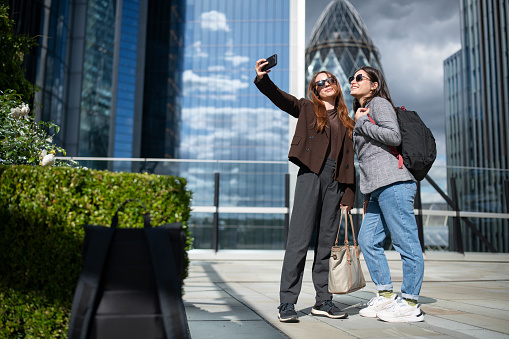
(111,76)
(223,115)
(130,79)
(340,43)
(48,65)
(476,85)
(226,119)
(164,48)
(95,85)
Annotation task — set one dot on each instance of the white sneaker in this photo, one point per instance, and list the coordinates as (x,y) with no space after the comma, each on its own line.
(401,312)
(377,304)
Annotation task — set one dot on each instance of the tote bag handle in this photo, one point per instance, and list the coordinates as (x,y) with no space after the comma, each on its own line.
(345,213)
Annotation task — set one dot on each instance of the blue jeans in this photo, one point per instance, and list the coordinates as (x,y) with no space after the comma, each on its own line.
(391,210)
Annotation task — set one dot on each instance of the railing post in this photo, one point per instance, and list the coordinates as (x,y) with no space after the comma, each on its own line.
(418,218)
(506,192)
(215,225)
(456,226)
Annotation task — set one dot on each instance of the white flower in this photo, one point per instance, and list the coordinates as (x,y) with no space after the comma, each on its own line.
(24,110)
(43,154)
(48,160)
(15,112)
(50,139)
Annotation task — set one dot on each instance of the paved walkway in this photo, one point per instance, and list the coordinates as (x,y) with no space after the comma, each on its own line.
(235,294)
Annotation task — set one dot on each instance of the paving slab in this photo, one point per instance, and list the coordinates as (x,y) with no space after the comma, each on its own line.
(233,329)
(235,294)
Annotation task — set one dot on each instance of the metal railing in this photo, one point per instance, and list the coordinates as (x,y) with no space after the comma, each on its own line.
(224,190)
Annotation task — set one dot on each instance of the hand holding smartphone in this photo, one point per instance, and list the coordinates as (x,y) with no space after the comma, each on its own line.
(272,61)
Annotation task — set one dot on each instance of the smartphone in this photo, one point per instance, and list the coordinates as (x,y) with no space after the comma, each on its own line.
(272,61)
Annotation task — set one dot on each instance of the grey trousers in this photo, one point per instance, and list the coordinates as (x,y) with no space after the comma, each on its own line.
(316,204)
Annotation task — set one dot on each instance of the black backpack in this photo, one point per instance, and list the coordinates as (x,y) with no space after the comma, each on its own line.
(418,149)
(131,282)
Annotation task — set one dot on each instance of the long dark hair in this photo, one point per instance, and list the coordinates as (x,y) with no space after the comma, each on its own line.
(319,106)
(382,90)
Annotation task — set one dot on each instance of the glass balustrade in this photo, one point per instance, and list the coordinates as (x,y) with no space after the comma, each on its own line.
(245,205)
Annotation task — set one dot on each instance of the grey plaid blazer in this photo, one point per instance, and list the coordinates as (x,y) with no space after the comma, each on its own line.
(378,166)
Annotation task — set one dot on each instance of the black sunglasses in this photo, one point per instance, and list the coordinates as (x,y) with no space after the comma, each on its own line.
(358,78)
(321,83)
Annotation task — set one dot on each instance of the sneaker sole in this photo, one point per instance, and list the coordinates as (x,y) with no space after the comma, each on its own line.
(288,320)
(323,313)
(369,315)
(402,319)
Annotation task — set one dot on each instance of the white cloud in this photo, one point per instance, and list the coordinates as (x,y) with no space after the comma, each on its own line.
(247,128)
(214,21)
(231,57)
(195,84)
(216,68)
(197,51)
(237,59)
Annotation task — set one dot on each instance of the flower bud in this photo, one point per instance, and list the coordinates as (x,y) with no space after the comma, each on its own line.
(24,110)
(15,112)
(48,160)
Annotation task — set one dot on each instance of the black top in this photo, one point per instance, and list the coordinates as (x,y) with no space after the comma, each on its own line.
(333,151)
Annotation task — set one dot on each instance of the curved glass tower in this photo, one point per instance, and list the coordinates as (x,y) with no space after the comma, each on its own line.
(340,43)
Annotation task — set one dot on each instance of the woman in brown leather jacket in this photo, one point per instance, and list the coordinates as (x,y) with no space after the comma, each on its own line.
(322,147)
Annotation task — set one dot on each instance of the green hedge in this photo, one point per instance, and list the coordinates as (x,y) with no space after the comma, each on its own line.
(42,211)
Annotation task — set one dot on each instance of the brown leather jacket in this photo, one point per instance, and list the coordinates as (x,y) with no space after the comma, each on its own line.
(309,147)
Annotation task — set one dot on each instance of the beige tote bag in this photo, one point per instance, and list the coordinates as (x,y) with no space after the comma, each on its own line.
(345,273)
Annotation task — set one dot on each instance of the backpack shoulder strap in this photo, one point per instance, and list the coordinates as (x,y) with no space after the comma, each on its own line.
(393,149)
(86,294)
(168,283)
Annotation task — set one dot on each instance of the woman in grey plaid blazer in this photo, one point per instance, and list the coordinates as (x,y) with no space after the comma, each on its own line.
(390,205)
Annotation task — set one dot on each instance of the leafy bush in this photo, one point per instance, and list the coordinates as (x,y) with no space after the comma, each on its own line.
(24,141)
(42,211)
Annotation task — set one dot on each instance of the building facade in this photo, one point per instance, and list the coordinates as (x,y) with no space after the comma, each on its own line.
(109,73)
(47,66)
(229,125)
(476,85)
(340,43)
